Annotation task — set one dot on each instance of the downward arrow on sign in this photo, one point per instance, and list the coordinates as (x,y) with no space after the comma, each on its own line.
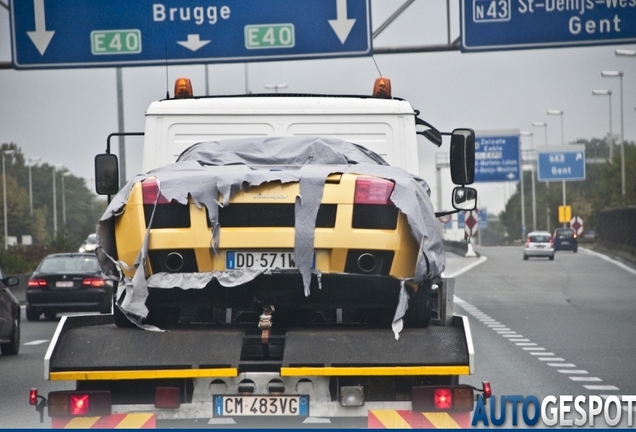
(193,43)
(40,37)
(341,25)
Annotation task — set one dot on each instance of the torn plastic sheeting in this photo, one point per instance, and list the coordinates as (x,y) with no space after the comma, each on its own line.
(208,169)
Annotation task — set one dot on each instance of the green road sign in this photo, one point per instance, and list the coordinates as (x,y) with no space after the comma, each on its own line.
(115,42)
(269,36)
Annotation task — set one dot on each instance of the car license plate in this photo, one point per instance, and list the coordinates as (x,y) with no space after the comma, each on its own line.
(565,242)
(283,260)
(64,284)
(234,406)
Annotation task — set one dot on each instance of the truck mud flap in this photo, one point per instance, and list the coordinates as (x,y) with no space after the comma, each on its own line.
(432,350)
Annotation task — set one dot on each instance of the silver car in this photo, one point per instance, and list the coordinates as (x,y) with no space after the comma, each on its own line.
(538,244)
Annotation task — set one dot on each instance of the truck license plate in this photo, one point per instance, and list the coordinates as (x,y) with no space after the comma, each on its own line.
(234,406)
(283,260)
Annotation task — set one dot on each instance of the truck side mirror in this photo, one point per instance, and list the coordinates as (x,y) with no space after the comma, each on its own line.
(462,156)
(464,198)
(106,174)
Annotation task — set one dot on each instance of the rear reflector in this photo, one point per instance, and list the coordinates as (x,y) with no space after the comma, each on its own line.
(33,396)
(373,191)
(442,398)
(167,397)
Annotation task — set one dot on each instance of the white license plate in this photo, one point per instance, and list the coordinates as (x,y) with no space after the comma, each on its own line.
(283,260)
(235,406)
(64,284)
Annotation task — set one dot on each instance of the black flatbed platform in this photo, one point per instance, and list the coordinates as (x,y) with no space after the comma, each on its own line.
(94,343)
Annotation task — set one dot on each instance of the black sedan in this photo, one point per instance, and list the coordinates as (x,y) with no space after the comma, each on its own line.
(68,282)
(9,316)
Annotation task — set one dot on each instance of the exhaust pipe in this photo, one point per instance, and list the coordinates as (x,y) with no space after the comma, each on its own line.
(174,262)
(367,262)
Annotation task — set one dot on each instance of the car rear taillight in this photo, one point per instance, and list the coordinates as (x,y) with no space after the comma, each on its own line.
(78,403)
(93,282)
(36,283)
(150,192)
(442,398)
(373,191)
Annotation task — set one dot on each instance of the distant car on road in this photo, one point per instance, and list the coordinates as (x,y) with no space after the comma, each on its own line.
(90,244)
(565,239)
(68,282)
(9,316)
(538,244)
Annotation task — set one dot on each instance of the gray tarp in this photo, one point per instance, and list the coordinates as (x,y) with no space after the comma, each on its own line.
(225,167)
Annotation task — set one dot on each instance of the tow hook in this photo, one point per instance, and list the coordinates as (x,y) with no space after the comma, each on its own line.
(265,324)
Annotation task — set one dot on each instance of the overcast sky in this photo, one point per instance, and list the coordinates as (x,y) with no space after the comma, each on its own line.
(64,116)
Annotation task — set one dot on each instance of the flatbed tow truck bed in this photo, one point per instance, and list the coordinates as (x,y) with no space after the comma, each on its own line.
(91,347)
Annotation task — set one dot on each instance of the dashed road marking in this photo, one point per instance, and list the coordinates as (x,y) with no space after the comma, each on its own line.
(535,350)
(36,342)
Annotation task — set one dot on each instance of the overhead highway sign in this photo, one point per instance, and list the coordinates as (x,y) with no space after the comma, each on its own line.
(94,33)
(497,156)
(518,24)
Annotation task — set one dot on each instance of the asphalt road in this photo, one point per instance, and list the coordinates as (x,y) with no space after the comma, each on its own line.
(539,327)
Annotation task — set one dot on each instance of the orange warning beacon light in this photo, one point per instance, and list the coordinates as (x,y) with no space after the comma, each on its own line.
(182,88)
(382,87)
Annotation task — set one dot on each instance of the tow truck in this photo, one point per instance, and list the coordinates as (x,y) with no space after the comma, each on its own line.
(233,366)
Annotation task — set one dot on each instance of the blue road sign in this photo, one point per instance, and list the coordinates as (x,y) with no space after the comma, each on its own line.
(94,33)
(517,24)
(483,219)
(497,157)
(557,165)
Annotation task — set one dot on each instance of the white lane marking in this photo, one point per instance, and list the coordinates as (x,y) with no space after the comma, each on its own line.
(535,350)
(601,387)
(588,379)
(613,261)
(37,342)
(519,340)
(481,260)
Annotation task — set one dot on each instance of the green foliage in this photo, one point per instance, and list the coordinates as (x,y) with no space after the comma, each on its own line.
(600,190)
(77,211)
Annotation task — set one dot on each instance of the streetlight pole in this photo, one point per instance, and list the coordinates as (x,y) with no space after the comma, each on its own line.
(543,125)
(560,113)
(64,174)
(619,74)
(534,196)
(32,162)
(55,168)
(611,137)
(275,87)
(547,185)
(4,197)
